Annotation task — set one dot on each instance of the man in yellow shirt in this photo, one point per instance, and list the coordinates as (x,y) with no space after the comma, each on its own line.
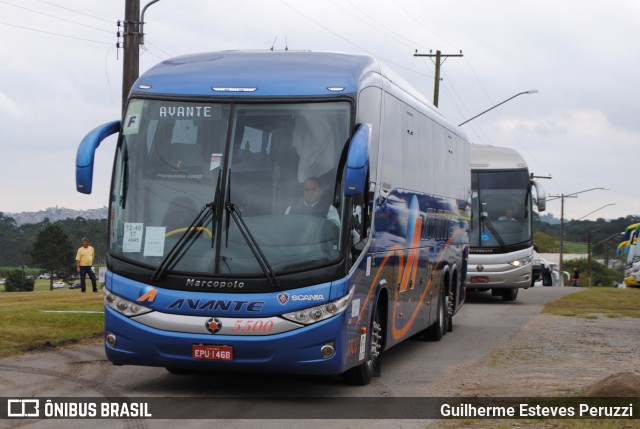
(84,261)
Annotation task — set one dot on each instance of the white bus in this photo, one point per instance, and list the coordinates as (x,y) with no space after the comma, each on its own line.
(501,254)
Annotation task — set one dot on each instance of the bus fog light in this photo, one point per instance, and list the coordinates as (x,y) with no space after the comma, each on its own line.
(111,339)
(327,350)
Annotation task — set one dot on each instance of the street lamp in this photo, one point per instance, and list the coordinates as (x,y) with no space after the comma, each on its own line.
(590,213)
(144,9)
(531,91)
(562,197)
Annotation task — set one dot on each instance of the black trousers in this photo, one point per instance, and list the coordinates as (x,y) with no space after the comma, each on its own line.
(84,271)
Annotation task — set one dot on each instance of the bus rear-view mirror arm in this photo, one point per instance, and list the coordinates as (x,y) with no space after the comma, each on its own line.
(86,154)
(541,196)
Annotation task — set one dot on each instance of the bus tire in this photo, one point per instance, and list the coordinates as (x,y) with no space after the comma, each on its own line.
(450,305)
(438,329)
(362,374)
(510,294)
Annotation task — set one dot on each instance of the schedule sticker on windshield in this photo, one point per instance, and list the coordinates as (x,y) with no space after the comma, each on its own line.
(132,240)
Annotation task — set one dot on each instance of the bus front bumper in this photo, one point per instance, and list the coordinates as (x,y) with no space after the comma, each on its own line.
(498,276)
(300,351)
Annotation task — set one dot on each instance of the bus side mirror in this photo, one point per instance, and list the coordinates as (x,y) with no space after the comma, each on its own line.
(357,164)
(86,154)
(541,200)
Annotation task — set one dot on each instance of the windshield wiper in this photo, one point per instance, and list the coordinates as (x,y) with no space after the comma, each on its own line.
(485,221)
(253,245)
(191,232)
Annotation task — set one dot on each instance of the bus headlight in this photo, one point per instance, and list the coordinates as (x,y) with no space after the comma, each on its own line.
(315,314)
(521,262)
(123,306)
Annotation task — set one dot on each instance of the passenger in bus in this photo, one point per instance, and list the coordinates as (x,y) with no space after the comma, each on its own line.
(508,215)
(314,203)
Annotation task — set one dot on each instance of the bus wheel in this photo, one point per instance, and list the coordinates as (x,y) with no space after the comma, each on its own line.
(510,294)
(450,303)
(437,330)
(362,374)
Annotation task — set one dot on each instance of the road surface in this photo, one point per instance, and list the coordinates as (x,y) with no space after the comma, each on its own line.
(409,370)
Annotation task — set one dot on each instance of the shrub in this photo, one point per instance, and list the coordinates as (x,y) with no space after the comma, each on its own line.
(17,282)
(601,275)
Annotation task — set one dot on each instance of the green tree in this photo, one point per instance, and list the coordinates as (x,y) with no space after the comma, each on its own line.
(601,275)
(53,251)
(545,243)
(9,250)
(93,229)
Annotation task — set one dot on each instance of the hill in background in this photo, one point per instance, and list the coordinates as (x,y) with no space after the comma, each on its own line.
(60,213)
(57,213)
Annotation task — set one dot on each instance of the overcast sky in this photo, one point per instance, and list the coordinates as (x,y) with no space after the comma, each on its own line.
(60,76)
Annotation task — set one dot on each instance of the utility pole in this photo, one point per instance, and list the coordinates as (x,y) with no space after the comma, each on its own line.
(562,197)
(131,57)
(438,55)
(589,256)
(561,262)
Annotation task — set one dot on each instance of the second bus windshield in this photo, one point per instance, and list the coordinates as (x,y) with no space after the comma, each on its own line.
(501,208)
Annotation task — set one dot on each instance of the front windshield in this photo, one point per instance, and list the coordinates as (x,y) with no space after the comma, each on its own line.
(501,206)
(275,165)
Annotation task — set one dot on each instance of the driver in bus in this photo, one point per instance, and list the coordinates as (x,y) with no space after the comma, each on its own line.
(314,203)
(508,215)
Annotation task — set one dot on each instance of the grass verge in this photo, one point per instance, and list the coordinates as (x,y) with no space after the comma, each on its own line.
(593,301)
(34,320)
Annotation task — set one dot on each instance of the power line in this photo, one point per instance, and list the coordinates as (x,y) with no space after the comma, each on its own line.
(55,34)
(54,17)
(75,11)
(326,28)
(168,55)
(148,51)
(379,25)
(347,40)
(413,17)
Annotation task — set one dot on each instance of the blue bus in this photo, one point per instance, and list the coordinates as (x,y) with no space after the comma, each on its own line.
(218,257)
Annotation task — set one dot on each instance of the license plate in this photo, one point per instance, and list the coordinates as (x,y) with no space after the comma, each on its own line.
(479,279)
(210,352)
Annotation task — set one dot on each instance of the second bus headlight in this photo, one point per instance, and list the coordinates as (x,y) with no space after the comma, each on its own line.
(521,262)
(317,313)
